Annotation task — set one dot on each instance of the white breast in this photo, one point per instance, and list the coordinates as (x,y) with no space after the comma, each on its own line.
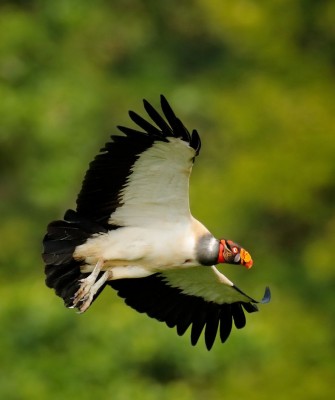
(157,248)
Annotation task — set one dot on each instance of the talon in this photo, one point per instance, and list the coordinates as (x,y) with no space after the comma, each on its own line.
(83,297)
(86,303)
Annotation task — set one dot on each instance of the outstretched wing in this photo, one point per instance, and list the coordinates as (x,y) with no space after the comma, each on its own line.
(190,297)
(141,175)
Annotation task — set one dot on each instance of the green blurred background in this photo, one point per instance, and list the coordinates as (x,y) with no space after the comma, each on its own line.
(257,79)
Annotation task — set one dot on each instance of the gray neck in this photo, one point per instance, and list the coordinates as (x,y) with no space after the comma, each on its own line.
(207,250)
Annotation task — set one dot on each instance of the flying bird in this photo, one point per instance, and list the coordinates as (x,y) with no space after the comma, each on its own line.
(133,230)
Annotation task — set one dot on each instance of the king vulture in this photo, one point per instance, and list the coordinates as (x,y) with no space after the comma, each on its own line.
(133,230)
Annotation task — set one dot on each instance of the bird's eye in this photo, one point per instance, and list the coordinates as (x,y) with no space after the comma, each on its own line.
(235,250)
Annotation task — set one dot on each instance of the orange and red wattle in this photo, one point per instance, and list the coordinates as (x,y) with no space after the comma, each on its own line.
(221,259)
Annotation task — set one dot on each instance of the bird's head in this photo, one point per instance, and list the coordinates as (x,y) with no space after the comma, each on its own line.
(232,253)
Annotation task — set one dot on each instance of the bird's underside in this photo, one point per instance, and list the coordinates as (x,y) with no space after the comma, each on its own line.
(133,230)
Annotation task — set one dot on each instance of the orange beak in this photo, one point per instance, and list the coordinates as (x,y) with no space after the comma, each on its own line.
(246,259)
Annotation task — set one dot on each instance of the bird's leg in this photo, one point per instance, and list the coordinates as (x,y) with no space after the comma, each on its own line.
(89,287)
(87,300)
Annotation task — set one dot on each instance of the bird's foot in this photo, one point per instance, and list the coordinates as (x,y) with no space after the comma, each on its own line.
(88,288)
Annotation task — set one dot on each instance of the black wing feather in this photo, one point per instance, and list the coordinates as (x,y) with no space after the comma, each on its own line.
(144,124)
(213,318)
(238,315)
(130,132)
(185,316)
(177,126)
(152,295)
(195,141)
(199,322)
(157,118)
(226,322)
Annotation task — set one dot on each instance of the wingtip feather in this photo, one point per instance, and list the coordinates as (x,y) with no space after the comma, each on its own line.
(267,296)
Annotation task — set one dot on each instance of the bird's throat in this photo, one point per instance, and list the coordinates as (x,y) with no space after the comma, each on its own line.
(207,250)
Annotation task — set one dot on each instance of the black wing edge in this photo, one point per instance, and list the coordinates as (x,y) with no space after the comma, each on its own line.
(151,295)
(99,195)
(265,299)
(171,126)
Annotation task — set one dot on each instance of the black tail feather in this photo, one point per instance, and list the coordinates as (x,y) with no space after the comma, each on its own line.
(62,270)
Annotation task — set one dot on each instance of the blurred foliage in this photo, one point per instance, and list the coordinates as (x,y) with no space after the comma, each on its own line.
(256,78)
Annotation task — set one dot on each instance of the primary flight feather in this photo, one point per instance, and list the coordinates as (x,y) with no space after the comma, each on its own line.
(133,230)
